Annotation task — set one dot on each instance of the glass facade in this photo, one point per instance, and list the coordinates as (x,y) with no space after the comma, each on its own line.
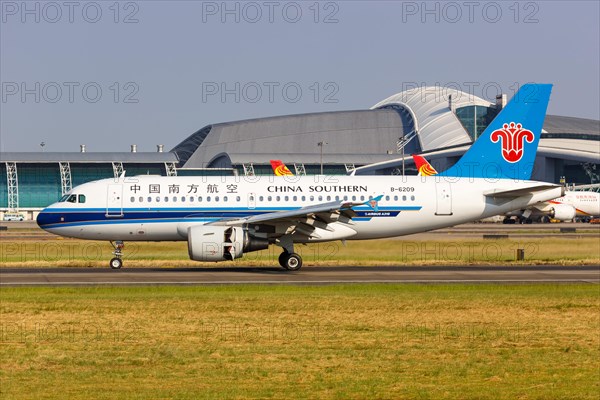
(577,173)
(40,185)
(476,118)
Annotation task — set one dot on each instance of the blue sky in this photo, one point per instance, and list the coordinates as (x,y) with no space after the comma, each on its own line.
(109,74)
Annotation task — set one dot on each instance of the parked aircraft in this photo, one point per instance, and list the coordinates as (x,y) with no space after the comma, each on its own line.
(221,218)
(280,169)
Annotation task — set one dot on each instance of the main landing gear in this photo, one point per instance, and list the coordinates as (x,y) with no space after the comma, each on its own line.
(288,259)
(116,262)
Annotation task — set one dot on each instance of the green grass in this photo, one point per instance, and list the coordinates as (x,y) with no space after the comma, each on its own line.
(349,341)
(16,252)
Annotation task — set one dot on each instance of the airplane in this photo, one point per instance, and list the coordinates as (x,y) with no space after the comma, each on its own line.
(280,169)
(573,204)
(222,218)
(423,166)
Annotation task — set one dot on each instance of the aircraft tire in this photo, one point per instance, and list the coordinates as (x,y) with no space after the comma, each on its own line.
(293,262)
(282,258)
(116,263)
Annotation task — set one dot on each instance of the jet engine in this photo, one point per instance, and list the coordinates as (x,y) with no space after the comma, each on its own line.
(563,212)
(221,243)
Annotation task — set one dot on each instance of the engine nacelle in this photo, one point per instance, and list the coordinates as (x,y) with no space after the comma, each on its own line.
(221,243)
(563,212)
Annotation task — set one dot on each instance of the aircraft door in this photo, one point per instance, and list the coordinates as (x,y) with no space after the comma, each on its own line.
(114,201)
(252,201)
(443,192)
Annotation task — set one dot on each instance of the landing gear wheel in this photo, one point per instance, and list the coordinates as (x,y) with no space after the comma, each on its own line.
(282,258)
(293,262)
(116,263)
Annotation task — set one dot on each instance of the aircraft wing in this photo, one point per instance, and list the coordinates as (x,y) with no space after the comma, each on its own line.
(325,213)
(510,193)
(305,220)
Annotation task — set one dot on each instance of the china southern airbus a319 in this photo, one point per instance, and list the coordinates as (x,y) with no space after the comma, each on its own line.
(222,218)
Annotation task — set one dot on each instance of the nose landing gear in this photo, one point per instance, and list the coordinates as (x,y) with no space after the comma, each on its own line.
(116,262)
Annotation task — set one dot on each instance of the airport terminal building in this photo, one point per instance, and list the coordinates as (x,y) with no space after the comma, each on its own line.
(439,123)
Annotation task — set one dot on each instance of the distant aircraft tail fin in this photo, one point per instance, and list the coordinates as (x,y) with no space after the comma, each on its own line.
(280,169)
(507,147)
(423,166)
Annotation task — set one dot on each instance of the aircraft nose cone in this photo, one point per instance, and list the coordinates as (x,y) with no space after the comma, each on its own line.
(43,218)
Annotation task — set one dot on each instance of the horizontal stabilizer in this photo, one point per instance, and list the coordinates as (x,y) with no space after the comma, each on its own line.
(504,193)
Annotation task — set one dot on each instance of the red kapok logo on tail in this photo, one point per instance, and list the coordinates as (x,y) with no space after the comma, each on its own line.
(512,137)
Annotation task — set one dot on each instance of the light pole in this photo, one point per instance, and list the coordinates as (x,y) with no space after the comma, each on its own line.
(321,145)
(402,143)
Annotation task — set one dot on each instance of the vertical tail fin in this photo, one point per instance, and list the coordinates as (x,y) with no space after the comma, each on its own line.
(280,169)
(423,166)
(507,148)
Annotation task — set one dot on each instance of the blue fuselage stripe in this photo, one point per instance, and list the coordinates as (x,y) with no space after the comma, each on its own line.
(61,217)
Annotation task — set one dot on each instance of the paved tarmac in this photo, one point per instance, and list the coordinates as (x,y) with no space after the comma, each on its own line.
(307,275)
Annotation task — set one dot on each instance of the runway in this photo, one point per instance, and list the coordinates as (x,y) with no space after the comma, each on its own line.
(306,276)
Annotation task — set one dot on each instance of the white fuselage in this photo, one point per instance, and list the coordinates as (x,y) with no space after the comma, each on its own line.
(584,204)
(155,208)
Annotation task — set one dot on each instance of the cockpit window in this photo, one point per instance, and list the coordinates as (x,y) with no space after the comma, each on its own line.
(72,198)
(64,198)
(82,198)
